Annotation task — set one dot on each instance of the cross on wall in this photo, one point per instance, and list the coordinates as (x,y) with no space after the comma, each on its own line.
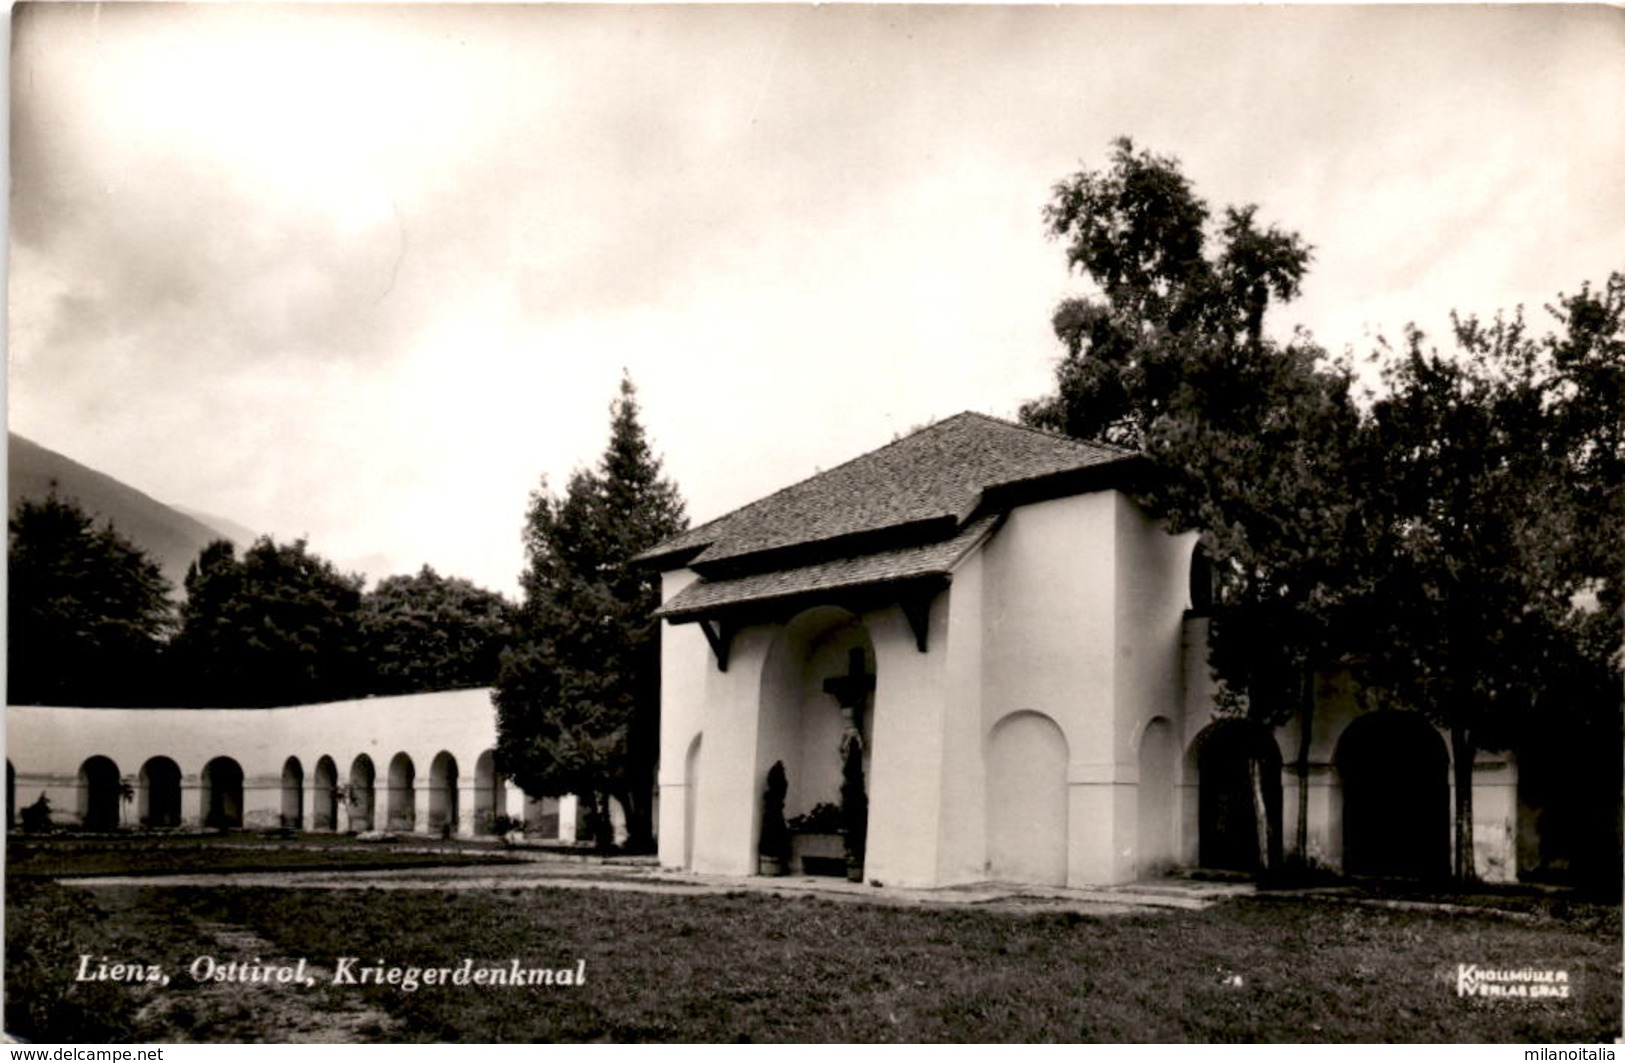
(852,690)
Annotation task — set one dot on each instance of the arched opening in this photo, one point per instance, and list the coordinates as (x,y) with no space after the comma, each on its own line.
(443,793)
(1569,815)
(293,794)
(99,790)
(1395,775)
(325,806)
(490,794)
(222,794)
(1204,582)
(363,798)
(11,795)
(159,796)
(817,717)
(691,795)
(1155,804)
(1238,769)
(402,809)
(1027,815)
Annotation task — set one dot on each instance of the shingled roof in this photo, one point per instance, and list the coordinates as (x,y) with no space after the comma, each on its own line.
(891,514)
(921,561)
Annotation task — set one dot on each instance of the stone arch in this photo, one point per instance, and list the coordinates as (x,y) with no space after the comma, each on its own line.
(490,793)
(1155,847)
(158,793)
(691,796)
(1227,755)
(99,786)
(443,793)
(803,722)
(293,794)
(1394,770)
(1027,814)
(222,793)
(325,805)
(363,799)
(402,811)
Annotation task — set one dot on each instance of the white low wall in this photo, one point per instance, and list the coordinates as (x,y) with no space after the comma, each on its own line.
(430,757)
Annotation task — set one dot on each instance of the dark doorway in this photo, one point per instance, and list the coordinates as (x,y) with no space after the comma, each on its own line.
(160,793)
(1227,758)
(362,796)
(1395,773)
(325,808)
(99,794)
(293,794)
(222,793)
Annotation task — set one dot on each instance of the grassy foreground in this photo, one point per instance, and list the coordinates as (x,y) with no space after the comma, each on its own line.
(749,966)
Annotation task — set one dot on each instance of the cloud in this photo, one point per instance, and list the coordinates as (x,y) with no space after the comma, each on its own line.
(368,272)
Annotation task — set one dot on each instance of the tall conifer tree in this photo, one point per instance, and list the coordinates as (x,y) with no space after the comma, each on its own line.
(578,695)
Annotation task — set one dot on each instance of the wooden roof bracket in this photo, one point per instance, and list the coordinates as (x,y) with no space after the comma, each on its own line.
(917,610)
(719,633)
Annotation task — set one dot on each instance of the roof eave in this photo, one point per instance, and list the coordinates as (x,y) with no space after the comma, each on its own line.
(667,560)
(796,555)
(856,598)
(1126,473)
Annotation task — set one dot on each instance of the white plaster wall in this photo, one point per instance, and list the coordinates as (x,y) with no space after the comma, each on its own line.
(1048,619)
(1495,817)
(1050,646)
(1159,774)
(727,808)
(685,658)
(47,745)
(1030,821)
(906,773)
(1152,593)
(956,633)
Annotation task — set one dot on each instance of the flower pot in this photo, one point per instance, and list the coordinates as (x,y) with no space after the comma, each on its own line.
(772,866)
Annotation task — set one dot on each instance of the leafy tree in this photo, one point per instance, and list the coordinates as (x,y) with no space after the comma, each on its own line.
(1138,231)
(1249,435)
(88,611)
(432,632)
(278,627)
(1503,517)
(578,695)
(1404,541)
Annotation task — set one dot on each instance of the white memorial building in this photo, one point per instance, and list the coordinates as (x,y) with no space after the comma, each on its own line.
(1020,652)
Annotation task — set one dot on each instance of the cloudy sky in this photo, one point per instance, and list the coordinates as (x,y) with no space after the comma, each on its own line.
(366,274)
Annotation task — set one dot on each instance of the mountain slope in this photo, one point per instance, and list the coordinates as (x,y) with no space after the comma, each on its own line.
(224,526)
(169,536)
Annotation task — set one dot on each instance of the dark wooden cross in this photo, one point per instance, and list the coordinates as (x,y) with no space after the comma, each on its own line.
(852,689)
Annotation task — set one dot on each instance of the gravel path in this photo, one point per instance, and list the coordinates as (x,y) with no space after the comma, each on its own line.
(642,879)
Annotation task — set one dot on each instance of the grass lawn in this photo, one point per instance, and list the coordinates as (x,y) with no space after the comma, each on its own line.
(755,967)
